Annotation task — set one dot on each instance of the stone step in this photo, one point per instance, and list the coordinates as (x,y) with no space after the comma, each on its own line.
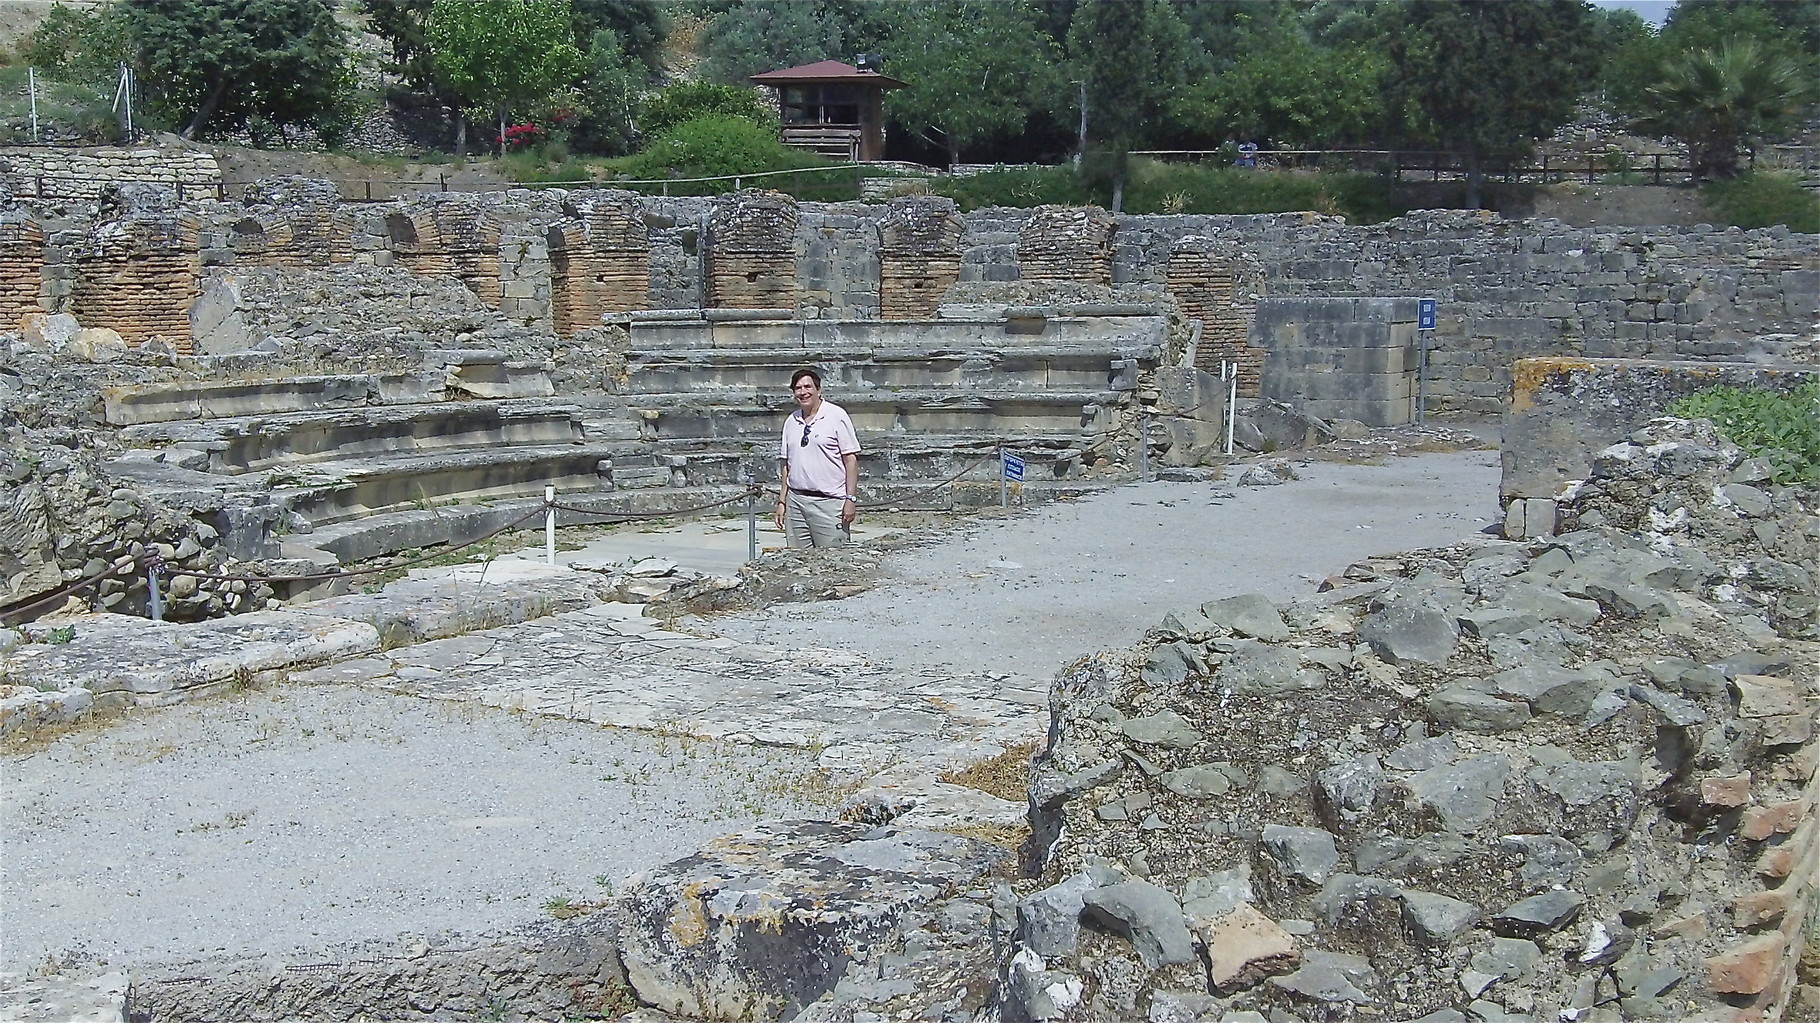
(989,328)
(988,415)
(466,374)
(852,372)
(241,444)
(343,489)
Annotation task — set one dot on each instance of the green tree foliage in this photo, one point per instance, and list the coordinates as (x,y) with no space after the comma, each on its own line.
(1131,59)
(764,35)
(222,63)
(638,26)
(974,71)
(611,83)
(502,55)
(1716,99)
(401,24)
(1484,78)
(1280,84)
(78,44)
(1764,199)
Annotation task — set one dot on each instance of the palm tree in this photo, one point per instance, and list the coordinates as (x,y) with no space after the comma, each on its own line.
(1713,99)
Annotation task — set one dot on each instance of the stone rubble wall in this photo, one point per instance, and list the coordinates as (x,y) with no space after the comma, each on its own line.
(1506,289)
(87,173)
(1570,778)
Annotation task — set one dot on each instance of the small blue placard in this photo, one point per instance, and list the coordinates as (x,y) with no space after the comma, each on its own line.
(1425,313)
(1014,467)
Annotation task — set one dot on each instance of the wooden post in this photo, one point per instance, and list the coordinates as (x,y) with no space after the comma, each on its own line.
(1658,169)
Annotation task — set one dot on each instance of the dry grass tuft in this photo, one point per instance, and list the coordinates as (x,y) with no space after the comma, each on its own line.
(1006,775)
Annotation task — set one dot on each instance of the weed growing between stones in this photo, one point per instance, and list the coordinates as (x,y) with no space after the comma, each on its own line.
(1004,775)
(1784,428)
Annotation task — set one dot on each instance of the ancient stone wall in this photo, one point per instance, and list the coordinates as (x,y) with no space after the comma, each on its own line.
(1219,288)
(600,262)
(752,253)
(919,257)
(84,173)
(136,278)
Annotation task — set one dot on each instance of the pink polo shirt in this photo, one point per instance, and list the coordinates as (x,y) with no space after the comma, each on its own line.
(817,466)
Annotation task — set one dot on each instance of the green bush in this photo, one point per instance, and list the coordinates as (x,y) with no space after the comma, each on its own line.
(667,108)
(1156,187)
(1763,199)
(721,146)
(1784,428)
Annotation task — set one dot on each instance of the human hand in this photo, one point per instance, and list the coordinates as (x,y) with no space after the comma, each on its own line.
(849,510)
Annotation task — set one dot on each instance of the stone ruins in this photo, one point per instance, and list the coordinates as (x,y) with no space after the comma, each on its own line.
(1565,774)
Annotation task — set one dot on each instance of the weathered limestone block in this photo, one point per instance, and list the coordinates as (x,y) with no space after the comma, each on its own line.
(759,924)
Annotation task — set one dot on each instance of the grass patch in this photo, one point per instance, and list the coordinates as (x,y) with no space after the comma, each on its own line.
(1784,428)
(1006,775)
(1764,199)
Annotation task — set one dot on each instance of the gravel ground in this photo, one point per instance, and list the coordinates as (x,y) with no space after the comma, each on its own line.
(307,818)
(311,817)
(1029,593)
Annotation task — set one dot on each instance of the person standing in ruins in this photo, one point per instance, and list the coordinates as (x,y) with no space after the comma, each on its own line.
(818,480)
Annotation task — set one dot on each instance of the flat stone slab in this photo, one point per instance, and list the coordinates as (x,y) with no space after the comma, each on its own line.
(608,665)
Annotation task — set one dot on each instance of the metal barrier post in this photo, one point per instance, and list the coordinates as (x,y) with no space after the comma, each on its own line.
(1422,380)
(1144,448)
(1004,499)
(751,526)
(151,588)
(549,525)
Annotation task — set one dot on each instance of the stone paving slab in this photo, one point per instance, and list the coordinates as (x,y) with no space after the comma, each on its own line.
(603,664)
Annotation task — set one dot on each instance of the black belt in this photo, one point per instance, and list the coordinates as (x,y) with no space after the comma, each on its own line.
(817,493)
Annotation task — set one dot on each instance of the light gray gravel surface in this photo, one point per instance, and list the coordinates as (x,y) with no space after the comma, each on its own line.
(308,817)
(1029,593)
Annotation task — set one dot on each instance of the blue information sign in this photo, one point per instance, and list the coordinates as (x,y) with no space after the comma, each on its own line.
(1425,313)
(1014,467)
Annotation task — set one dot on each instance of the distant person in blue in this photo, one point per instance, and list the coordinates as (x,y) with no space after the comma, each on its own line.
(1248,155)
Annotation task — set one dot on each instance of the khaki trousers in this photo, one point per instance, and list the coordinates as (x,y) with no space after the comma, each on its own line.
(813,521)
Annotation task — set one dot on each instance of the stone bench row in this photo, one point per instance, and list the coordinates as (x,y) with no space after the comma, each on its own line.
(845,371)
(987,328)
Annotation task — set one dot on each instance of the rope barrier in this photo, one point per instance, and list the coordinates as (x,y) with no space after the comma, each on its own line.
(754,490)
(914,494)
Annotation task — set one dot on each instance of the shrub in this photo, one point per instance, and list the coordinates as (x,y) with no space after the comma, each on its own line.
(1763,199)
(720,146)
(667,108)
(1784,428)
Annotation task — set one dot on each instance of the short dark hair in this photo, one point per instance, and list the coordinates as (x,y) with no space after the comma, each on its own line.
(811,374)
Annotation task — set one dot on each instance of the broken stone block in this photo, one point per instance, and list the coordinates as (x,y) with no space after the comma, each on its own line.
(1244,947)
(1538,914)
(1249,614)
(761,923)
(1762,696)
(1435,920)
(1307,854)
(1165,728)
(1147,916)
(1406,631)
(1748,968)
(1331,977)
(1760,908)
(1461,706)
(1760,822)
(1049,921)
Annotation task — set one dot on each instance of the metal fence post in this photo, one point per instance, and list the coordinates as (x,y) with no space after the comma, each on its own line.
(549,524)
(1144,448)
(1004,499)
(751,526)
(151,589)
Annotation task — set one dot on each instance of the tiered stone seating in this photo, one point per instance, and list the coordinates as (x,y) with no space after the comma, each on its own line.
(925,396)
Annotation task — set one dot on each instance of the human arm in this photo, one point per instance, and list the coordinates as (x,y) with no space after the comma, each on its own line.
(850,507)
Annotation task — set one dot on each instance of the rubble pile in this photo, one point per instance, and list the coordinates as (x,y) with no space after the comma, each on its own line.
(1562,779)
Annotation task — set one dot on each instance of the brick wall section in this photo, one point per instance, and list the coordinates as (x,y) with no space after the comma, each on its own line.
(453,240)
(303,239)
(138,282)
(84,173)
(21,270)
(919,256)
(600,262)
(1066,243)
(1219,289)
(751,253)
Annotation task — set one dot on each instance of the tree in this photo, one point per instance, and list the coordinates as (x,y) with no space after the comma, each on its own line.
(1714,99)
(765,35)
(1129,60)
(610,86)
(1485,78)
(686,101)
(639,26)
(1281,85)
(225,62)
(974,70)
(501,54)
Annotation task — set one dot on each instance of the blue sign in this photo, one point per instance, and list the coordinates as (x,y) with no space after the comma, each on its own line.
(1014,467)
(1425,313)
